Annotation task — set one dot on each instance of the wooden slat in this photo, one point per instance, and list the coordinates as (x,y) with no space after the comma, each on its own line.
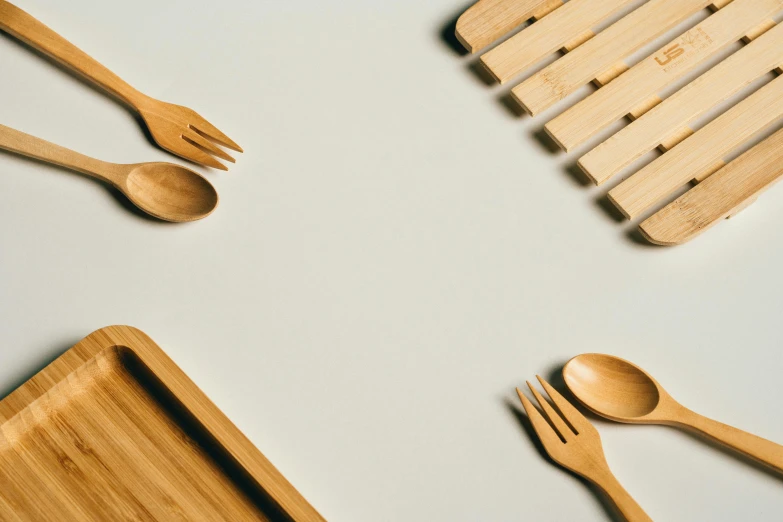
(671,117)
(487,20)
(722,195)
(548,35)
(697,154)
(639,86)
(612,45)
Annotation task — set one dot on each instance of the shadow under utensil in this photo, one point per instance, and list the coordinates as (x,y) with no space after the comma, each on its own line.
(124,202)
(42,363)
(86,82)
(523,420)
(118,196)
(555,377)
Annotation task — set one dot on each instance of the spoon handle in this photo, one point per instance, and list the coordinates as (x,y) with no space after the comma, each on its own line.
(623,501)
(21,143)
(31,31)
(761,450)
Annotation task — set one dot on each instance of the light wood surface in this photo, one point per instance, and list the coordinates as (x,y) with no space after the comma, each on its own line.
(601,53)
(566,25)
(700,154)
(164,190)
(578,449)
(671,118)
(720,196)
(177,129)
(621,391)
(636,91)
(487,20)
(113,430)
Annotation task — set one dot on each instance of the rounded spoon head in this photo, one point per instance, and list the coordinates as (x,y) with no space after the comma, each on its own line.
(170,192)
(613,387)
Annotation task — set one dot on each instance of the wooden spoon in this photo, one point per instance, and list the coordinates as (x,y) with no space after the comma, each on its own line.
(618,390)
(164,190)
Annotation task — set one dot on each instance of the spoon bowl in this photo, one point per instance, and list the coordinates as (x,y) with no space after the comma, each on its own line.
(164,190)
(612,387)
(170,192)
(621,391)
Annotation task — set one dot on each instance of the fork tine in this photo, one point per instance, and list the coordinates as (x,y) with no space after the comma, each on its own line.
(208,130)
(189,151)
(560,426)
(571,414)
(199,140)
(544,431)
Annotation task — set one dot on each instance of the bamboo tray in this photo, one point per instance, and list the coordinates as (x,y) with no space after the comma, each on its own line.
(114,430)
(709,65)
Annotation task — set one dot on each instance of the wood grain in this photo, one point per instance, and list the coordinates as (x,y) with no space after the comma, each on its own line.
(487,20)
(698,155)
(720,196)
(670,118)
(574,443)
(113,430)
(552,33)
(619,390)
(636,91)
(163,190)
(602,52)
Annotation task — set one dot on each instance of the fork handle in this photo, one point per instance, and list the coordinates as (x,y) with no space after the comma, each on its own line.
(761,450)
(31,31)
(623,501)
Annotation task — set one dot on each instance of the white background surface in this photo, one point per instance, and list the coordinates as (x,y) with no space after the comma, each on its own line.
(393,254)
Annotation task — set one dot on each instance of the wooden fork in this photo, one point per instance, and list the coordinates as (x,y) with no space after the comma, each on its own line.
(577,446)
(177,129)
